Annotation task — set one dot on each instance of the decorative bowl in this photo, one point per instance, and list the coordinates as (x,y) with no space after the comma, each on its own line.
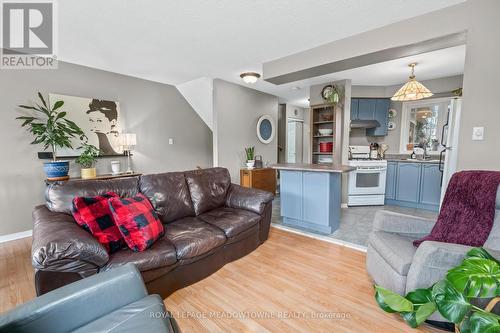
(325,131)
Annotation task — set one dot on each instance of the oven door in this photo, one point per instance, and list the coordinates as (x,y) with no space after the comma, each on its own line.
(367,180)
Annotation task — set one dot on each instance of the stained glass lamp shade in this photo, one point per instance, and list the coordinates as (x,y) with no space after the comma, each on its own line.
(412,90)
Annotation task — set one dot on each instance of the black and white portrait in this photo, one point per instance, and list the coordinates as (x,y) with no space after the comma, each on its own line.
(99,120)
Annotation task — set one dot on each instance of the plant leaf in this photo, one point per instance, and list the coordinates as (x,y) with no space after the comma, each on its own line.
(465,325)
(424,312)
(420,296)
(61,115)
(410,318)
(476,277)
(479,252)
(27,107)
(394,301)
(450,303)
(494,329)
(43,100)
(480,322)
(57,105)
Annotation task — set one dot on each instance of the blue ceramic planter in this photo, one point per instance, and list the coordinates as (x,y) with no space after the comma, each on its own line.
(56,170)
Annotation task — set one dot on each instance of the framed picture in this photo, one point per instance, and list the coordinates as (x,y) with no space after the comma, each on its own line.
(99,119)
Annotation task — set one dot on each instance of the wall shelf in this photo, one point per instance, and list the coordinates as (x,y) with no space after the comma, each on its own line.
(323,122)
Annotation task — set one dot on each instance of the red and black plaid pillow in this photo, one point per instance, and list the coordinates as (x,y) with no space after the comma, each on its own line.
(137,221)
(94,215)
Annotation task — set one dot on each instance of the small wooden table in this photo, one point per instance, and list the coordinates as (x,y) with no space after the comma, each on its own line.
(261,178)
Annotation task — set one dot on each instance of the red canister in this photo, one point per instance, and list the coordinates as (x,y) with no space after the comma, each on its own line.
(326,147)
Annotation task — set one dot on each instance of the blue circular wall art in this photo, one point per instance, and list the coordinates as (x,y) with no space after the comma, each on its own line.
(265,129)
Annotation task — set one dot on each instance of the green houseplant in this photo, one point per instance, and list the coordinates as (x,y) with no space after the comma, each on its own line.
(87,160)
(51,128)
(250,154)
(454,297)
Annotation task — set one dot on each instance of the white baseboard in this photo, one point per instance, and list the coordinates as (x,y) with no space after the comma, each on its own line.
(14,236)
(344,205)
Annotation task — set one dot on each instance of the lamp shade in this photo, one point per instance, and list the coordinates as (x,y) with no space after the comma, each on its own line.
(128,140)
(412,90)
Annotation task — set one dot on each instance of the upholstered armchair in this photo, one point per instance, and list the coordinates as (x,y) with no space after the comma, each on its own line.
(395,264)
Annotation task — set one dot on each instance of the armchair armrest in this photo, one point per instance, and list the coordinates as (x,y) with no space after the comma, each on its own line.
(402,224)
(76,304)
(59,244)
(432,261)
(246,198)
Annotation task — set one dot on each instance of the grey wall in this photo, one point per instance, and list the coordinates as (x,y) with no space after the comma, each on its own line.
(479,18)
(236,111)
(154,111)
(441,87)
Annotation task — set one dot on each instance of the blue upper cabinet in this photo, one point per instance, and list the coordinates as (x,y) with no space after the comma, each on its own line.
(430,188)
(354,108)
(382,116)
(371,109)
(366,108)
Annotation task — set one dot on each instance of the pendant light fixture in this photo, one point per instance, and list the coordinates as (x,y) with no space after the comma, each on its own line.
(412,90)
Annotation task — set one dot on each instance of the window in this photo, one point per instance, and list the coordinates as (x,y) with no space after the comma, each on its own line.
(422,124)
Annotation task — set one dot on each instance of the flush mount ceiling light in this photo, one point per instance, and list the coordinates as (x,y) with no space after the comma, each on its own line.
(412,90)
(250,77)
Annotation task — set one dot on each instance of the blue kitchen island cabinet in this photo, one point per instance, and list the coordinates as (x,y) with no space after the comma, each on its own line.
(310,195)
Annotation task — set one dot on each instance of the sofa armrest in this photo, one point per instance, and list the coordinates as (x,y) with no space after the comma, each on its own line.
(248,198)
(59,244)
(405,225)
(78,303)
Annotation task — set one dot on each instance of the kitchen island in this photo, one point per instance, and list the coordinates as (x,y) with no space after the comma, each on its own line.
(311,195)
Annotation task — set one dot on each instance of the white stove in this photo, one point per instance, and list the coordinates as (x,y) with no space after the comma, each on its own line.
(366,183)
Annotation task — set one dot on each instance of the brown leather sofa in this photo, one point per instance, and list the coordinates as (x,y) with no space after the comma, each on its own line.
(208,223)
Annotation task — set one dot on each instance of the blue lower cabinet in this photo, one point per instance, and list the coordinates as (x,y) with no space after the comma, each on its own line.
(407,188)
(430,188)
(390,183)
(416,185)
(314,194)
(291,194)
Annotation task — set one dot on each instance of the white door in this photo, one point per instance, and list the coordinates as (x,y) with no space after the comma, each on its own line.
(294,142)
(451,143)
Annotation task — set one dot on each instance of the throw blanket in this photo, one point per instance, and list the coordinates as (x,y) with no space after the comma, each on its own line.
(468,209)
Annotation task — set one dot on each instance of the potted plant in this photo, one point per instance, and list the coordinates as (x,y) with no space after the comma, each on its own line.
(456,297)
(53,130)
(87,159)
(250,153)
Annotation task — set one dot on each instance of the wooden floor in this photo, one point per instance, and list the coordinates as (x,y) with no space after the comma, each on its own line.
(292,283)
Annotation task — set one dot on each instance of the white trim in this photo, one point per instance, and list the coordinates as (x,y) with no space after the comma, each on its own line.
(344,205)
(14,236)
(404,120)
(321,237)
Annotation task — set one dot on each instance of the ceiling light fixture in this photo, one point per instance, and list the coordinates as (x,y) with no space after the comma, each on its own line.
(250,77)
(412,90)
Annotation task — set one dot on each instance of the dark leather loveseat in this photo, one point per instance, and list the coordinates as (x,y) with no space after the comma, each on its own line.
(208,223)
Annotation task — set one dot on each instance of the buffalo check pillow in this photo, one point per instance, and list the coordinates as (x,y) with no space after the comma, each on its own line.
(137,221)
(94,215)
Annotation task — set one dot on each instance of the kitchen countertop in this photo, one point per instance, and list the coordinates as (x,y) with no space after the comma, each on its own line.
(431,161)
(313,167)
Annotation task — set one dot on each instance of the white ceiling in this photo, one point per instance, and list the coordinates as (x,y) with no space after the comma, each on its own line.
(174,41)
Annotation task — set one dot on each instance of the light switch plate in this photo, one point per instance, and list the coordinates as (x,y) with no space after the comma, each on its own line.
(477,133)
(170,141)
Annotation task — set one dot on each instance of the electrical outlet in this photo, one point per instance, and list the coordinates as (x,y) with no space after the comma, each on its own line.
(477,133)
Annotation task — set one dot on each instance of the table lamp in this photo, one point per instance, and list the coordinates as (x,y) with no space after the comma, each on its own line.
(128,141)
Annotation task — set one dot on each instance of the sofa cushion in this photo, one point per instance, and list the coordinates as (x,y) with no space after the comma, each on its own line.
(208,188)
(230,220)
(137,221)
(169,195)
(193,237)
(59,195)
(94,215)
(397,251)
(160,254)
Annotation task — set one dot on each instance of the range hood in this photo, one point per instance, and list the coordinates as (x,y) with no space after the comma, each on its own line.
(364,124)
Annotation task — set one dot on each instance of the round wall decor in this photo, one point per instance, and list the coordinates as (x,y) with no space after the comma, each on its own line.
(391,126)
(265,129)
